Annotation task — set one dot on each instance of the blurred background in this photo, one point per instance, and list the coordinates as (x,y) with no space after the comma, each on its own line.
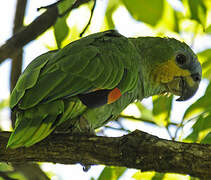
(185,20)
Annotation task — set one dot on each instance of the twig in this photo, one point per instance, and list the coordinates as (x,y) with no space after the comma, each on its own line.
(183,123)
(92,12)
(32,31)
(76,4)
(50,6)
(118,129)
(144,120)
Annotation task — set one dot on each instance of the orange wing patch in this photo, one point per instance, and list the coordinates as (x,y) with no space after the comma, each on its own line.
(114,95)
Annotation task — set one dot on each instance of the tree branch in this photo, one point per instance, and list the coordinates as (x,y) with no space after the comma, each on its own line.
(136,150)
(29,33)
(32,31)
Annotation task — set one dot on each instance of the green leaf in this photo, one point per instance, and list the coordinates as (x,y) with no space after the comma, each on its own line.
(145,112)
(65,5)
(200,129)
(61,28)
(162,109)
(111,173)
(149,11)
(207,139)
(158,176)
(4,103)
(111,7)
(170,19)
(203,104)
(208,29)
(205,59)
(198,11)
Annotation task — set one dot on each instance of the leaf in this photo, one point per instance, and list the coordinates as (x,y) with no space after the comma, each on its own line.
(61,28)
(205,59)
(198,11)
(64,5)
(143,176)
(200,129)
(208,29)
(162,109)
(201,105)
(4,103)
(170,18)
(111,173)
(145,112)
(207,139)
(149,11)
(158,176)
(111,7)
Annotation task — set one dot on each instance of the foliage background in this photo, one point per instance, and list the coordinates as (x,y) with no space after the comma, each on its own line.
(186,20)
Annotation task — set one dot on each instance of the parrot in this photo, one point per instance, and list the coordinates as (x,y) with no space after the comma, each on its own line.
(92,80)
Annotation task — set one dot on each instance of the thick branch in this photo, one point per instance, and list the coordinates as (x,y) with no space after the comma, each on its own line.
(136,150)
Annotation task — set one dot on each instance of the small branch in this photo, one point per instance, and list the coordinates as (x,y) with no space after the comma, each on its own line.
(92,12)
(76,4)
(144,120)
(32,31)
(50,6)
(29,33)
(136,150)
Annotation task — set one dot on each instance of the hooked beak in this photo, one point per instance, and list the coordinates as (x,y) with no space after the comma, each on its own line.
(185,87)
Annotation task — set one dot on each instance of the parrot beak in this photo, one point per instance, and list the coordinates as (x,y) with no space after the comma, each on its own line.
(185,87)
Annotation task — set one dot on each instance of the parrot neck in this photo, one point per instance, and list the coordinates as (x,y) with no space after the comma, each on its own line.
(148,61)
(148,88)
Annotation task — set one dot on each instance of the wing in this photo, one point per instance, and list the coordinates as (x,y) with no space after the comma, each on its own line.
(100,61)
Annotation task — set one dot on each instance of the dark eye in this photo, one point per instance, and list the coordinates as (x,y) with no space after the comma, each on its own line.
(181,59)
(196,77)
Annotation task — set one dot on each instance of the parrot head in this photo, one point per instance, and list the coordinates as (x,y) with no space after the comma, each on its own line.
(181,72)
(170,66)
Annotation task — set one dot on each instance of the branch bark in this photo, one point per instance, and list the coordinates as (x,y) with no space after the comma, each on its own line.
(136,150)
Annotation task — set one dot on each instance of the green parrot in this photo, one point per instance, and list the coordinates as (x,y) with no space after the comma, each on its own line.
(92,80)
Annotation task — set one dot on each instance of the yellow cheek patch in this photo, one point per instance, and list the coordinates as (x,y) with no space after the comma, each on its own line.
(166,72)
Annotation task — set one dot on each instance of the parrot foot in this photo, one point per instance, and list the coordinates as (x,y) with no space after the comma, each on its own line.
(83,127)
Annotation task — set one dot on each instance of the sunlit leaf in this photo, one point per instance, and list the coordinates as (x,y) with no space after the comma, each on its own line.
(200,129)
(4,103)
(158,176)
(162,109)
(149,11)
(145,112)
(111,173)
(198,11)
(208,29)
(203,104)
(207,139)
(143,176)
(169,19)
(205,59)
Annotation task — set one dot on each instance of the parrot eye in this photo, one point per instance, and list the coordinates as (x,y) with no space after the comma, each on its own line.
(181,59)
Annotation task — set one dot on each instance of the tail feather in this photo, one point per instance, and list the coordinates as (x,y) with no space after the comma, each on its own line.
(35,124)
